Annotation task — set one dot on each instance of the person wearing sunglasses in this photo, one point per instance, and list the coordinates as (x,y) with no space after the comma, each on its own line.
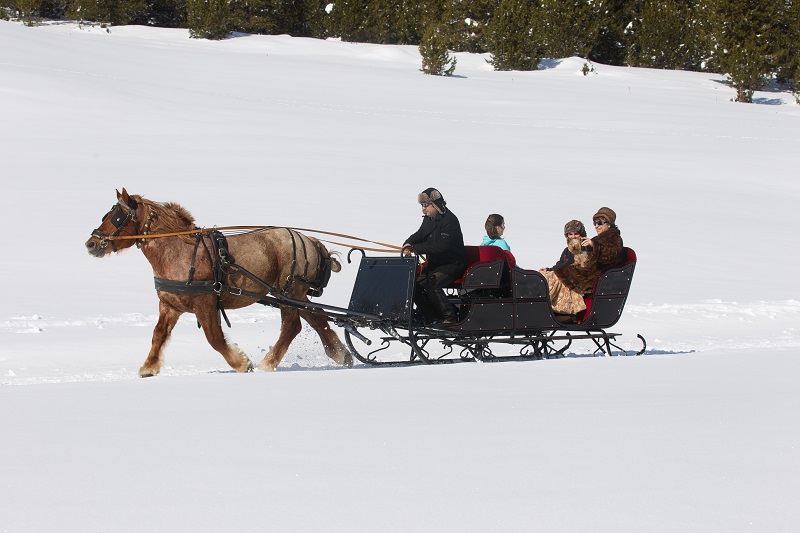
(440,240)
(568,283)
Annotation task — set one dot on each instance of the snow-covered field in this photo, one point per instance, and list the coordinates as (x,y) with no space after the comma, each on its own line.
(700,434)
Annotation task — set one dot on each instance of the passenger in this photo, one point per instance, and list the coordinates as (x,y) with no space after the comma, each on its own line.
(495,226)
(568,283)
(574,232)
(439,238)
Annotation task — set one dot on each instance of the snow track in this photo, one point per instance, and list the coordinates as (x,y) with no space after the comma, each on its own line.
(115,346)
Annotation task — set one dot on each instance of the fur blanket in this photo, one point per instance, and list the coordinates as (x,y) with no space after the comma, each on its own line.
(604,253)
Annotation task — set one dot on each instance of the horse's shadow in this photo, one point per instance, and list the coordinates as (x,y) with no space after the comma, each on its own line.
(295,367)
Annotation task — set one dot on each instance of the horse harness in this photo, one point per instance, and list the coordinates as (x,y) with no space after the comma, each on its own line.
(323,274)
(224,264)
(221,260)
(118,218)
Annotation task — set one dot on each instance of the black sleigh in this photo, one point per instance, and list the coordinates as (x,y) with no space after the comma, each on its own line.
(504,313)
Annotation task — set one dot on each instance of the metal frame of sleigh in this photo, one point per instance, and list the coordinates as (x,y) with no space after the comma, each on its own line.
(499,304)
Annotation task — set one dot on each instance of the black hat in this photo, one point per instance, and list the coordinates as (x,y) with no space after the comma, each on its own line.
(432,196)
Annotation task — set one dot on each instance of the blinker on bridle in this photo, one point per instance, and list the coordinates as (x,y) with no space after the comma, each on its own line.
(118,218)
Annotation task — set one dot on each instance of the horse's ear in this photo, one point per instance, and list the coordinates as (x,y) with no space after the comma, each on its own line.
(118,194)
(124,196)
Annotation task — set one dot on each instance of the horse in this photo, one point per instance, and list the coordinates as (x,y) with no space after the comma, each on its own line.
(187,271)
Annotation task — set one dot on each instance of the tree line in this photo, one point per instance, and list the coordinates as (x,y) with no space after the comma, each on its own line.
(754,41)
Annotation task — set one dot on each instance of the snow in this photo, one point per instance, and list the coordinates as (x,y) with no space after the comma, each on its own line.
(700,434)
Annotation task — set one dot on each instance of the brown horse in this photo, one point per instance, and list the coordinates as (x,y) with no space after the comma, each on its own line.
(275,255)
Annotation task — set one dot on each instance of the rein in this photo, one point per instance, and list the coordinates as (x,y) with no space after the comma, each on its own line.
(202,231)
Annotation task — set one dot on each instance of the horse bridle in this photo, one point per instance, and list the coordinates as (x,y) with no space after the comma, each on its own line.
(120,213)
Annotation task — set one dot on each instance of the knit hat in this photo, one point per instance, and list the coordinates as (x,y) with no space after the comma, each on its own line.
(432,196)
(575,226)
(606,213)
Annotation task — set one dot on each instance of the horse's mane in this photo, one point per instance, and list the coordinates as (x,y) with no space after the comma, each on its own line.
(170,217)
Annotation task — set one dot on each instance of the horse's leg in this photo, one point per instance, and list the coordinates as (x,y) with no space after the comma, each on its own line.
(216,338)
(290,327)
(167,318)
(334,347)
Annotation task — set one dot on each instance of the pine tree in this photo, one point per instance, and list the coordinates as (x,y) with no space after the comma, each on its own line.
(748,68)
(28,10)
(347,20)
(393,21)
(665,36)
(209,19)
(742,29)
(379,21)
(250,16)
(786,38)
(567,28)
(614,17)
(114,12)
(166,13)
(793,43)
(509,37)
(436,59)
(268,17)
(465,22)
(314,19)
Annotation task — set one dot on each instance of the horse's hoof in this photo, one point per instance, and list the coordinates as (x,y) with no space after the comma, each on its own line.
(249,367)
(148,372)
(265,367)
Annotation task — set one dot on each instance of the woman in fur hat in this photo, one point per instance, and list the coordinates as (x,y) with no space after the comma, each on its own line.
(569,282)
(440,240)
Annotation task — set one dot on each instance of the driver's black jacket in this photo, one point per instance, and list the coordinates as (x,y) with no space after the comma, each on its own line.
(441,241)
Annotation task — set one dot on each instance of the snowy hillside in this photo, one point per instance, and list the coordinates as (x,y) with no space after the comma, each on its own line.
(699,434)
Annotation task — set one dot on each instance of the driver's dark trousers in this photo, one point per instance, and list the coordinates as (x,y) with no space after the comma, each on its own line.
(429,293)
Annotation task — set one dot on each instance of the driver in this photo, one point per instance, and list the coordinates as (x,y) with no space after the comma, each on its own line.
(439,238)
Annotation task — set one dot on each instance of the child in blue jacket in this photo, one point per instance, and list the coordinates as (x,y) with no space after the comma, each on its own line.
(495,226)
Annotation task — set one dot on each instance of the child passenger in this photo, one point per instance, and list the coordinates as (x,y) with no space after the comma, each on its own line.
(495,226)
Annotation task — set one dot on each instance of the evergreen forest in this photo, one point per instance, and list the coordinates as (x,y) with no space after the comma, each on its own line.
(755,42)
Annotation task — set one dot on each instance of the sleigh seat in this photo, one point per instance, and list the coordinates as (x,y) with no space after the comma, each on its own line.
(604,304)
(486,266)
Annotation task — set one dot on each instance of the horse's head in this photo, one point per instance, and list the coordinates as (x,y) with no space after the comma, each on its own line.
(119,221)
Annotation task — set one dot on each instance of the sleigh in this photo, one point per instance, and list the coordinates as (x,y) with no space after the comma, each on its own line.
(499,305)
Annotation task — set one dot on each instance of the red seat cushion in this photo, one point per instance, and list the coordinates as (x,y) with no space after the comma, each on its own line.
(485,254)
